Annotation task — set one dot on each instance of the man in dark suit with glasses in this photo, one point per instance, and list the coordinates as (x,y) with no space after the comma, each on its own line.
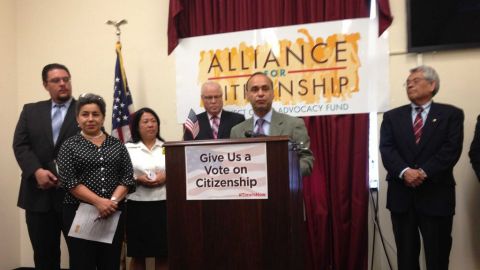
(215,123)
(420,143)
(40,131)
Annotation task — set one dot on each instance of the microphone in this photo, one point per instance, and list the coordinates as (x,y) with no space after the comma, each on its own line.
(251,134)
(298,146)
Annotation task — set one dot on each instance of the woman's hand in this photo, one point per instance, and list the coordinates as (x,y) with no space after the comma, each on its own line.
(160,178)
(106,207)
(143,180)
(146,181)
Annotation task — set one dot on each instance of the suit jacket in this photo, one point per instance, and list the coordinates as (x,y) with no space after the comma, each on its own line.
(474,152)
(227,121)
(33,148)
(437,153)
(284,125)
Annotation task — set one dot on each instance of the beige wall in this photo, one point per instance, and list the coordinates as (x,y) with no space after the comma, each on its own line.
(34,33)
(9,214)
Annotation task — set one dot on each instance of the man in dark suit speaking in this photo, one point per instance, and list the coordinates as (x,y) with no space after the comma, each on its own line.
(215,123)
(266,121)
(420,143)
(40,131)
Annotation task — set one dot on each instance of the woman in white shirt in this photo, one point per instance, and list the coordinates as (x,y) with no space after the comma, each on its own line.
(146,207)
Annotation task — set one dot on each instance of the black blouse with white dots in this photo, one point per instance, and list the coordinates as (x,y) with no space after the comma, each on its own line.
(100,168)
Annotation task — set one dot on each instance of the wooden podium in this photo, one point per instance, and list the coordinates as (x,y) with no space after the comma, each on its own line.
(237,234)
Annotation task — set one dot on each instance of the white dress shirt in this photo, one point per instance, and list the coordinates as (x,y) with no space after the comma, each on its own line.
(146,161)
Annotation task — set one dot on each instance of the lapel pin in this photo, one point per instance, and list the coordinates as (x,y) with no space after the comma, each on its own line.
(434,120)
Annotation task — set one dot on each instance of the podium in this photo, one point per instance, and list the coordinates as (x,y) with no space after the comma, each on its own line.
(237,234)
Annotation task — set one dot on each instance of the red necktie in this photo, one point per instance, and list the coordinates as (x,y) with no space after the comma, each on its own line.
(418,124)
(215,124)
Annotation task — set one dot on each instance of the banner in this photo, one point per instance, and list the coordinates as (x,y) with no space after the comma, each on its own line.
(338,67)
(226,172)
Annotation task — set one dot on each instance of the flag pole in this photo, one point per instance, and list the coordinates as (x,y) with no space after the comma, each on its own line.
(118,46)
(117,25)
(122,109)
(119,72)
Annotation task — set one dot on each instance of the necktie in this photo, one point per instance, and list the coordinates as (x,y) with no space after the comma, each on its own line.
(418,124)
(215,125)
(57,121)
(260,122)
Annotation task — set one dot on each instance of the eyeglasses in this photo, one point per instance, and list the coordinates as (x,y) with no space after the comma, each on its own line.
(58,80)
(211,98)
(414,81)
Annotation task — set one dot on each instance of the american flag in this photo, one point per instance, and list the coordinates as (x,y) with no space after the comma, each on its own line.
(191,124)
(122,101)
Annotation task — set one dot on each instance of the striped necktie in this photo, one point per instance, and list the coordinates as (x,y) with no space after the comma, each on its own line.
(215,125)
(418,124)
(260,122)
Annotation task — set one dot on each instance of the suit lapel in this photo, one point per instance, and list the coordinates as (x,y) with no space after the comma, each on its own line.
(205,127)
(245,126)
(223,124)
(276,126)
(45,119)
(406,127)
(431,123)
(68,121)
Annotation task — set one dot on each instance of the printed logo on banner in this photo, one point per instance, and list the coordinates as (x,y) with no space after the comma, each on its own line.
(308,69)
(328,68)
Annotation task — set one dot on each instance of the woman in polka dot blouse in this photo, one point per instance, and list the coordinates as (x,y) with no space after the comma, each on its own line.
(94,168)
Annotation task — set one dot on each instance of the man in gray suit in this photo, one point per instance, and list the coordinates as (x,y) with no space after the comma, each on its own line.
(40,131)
(266,121)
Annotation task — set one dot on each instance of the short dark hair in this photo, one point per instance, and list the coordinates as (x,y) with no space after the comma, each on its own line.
(49,67)
(136,123)
(260,73)
(89,98)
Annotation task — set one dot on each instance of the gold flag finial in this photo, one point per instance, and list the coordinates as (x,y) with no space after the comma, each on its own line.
(117,25)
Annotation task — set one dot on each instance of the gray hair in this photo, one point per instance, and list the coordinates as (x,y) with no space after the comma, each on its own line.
(429,74)
(89,98)
(211,83)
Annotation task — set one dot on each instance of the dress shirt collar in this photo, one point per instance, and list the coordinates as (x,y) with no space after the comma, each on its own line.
(219,115)
(267,117)
(266,124)
(142,146)
(67,103)
(425,106)
(426,109)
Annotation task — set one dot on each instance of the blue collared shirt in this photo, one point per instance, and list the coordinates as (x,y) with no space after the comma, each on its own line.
(266,125)
(63,110)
